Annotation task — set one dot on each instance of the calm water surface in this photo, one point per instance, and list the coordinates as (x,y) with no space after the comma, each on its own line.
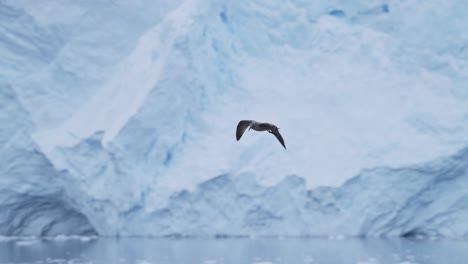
(233,250)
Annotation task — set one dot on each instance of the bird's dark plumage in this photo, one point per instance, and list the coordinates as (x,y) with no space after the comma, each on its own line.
(241,127)
(257,126)
(279,137)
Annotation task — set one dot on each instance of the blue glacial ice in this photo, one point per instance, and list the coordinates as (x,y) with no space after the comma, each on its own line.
(425,200)
(118,118)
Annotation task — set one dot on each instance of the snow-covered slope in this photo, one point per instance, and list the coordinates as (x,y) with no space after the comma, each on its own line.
(111,109)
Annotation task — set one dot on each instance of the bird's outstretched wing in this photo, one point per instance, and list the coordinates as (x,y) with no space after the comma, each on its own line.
(241,127)
(279,137)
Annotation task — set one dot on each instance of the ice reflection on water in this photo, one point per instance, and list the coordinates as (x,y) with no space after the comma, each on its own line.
(233,250)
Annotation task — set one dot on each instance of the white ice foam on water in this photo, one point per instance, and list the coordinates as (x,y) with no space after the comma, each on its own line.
(25,243)
(72,237)
(7,238)
(143,262)
(262,262)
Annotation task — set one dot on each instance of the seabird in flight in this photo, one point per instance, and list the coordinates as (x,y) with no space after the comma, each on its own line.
(257,126)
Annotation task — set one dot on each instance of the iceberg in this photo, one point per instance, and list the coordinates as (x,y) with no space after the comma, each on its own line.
(119,118)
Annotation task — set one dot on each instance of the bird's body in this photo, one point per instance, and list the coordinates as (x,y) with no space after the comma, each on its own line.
(258,126)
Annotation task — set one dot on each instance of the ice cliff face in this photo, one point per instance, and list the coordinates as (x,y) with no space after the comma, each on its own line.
(110,110)
(424,200)
(33,195)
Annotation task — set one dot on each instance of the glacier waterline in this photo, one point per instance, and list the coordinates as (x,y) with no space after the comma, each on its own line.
(234,250)
(69,161)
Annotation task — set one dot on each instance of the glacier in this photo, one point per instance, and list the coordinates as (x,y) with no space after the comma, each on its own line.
(425,200)
(118,118)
